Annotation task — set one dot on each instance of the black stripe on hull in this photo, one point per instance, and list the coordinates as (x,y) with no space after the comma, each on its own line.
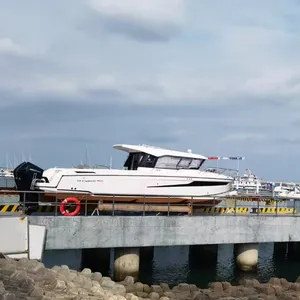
(194,183)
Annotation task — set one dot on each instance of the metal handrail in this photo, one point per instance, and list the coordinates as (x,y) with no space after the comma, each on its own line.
(145,205)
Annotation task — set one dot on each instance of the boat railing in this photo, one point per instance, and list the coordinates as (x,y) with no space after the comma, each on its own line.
(222,171)
(50,203)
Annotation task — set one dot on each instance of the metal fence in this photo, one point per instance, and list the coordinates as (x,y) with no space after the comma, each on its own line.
(141,205)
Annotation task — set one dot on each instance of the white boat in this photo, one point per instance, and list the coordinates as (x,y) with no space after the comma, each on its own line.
(162,174)
(248,181)
(287,191)
(7,181)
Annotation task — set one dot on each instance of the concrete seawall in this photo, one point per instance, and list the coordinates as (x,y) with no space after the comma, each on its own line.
(119,231)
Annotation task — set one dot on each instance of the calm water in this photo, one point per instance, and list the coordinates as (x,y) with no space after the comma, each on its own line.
(172,265)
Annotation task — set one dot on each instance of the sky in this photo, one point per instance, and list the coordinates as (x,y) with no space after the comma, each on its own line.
(219,77)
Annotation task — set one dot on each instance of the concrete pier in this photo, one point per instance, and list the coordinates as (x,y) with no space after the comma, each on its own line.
(127,263)
(246,256)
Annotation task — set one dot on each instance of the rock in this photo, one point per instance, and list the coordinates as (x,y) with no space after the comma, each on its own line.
(216,287)
(275,281)
(142,294)
(107,283)
(147,289)
(165,287)
(130,288)
(97,276)
(56,268)
(8,296)
(36,292)
(164,298)
(86,272)
(58,285)
(285,283)
(249,282)
(170,295)
(65,267)
(266,289)
(154,296)
(128,296)
(139,287)
(295,286)
(118,289)
(193,288)
(184,287)
(129,280)
(97,291)
(157,289)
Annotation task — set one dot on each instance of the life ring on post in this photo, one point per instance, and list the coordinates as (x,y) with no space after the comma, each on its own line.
(66,212)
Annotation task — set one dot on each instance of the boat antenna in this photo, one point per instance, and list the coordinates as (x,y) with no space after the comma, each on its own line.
(110,162)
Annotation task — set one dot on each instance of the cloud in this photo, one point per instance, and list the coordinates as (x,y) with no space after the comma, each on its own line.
(7,46)
(150,20)
(221,78)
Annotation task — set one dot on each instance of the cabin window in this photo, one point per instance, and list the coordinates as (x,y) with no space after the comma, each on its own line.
(184,163)
(148,161)
(167,162)
(139,159)
(196,163)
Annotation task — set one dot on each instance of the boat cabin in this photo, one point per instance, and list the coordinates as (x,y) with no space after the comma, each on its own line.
(152,157)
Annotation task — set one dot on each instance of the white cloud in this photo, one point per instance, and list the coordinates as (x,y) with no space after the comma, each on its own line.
(244,137)
(7,46)
(230,78)
(157,19)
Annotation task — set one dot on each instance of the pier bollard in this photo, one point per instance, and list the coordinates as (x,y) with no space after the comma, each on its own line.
(246,256)
(127,263)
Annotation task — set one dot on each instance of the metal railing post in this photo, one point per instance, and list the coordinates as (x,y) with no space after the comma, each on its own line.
(235,206)
(258,207)
(144,206)
(276,208)
(113,210)
(294,206)
(169,206)
(192,206)
(55,204)
(86,206)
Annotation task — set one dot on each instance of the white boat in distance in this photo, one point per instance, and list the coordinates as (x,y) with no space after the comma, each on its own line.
(161,174)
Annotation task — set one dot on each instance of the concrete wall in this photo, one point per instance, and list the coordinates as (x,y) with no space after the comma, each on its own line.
(115,231)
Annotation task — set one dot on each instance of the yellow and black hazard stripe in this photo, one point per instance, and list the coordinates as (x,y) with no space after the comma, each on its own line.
(278,210)
(9,208)
(223,210)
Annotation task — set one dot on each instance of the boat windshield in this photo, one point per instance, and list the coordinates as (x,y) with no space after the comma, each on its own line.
(144,160)
(171,162)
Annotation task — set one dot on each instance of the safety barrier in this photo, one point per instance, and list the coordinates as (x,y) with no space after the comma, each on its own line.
(9,208)
(223,210)
(88,205)
(274,210)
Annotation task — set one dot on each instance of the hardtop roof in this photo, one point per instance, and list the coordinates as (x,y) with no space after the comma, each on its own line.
(156,151)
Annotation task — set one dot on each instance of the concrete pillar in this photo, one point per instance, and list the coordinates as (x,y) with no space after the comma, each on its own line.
(246,256)
(97,259)
(203,254)
(146,253)
(127,263)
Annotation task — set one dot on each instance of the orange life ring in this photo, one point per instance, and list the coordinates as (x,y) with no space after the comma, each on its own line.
(65,212)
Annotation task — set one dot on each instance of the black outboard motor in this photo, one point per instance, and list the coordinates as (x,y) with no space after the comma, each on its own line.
(25,176)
